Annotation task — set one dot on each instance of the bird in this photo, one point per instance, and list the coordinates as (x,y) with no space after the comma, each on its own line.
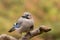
(24,24)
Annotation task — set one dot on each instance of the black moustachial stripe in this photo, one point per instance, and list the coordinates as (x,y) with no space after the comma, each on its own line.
(25,17)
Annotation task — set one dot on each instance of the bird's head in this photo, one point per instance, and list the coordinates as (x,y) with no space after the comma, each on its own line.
(27,15)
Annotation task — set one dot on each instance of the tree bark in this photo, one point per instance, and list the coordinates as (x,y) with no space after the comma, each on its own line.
(29,35)
(36,32)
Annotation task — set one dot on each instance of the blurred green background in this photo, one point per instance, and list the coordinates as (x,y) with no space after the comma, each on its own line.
(46,12)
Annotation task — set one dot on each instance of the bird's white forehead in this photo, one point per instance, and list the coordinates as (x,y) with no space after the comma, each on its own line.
(27,13)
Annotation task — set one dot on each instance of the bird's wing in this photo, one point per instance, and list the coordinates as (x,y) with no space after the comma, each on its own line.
(18,23)
(12,29)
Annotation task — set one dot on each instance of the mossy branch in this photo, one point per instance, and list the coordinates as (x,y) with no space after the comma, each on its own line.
(29,35)
(36,32)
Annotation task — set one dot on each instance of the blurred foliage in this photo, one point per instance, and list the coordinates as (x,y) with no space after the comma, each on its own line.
(45,12)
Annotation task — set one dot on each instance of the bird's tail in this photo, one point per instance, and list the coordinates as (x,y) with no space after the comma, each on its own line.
(12,29)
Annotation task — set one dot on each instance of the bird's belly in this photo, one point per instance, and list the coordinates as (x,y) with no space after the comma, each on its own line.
(23,29)
(26,29)
(27,23)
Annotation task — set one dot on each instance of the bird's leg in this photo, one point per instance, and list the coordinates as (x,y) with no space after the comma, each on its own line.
(29,33)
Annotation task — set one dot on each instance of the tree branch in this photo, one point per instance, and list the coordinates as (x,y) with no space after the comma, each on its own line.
(29,35)
(36,32)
